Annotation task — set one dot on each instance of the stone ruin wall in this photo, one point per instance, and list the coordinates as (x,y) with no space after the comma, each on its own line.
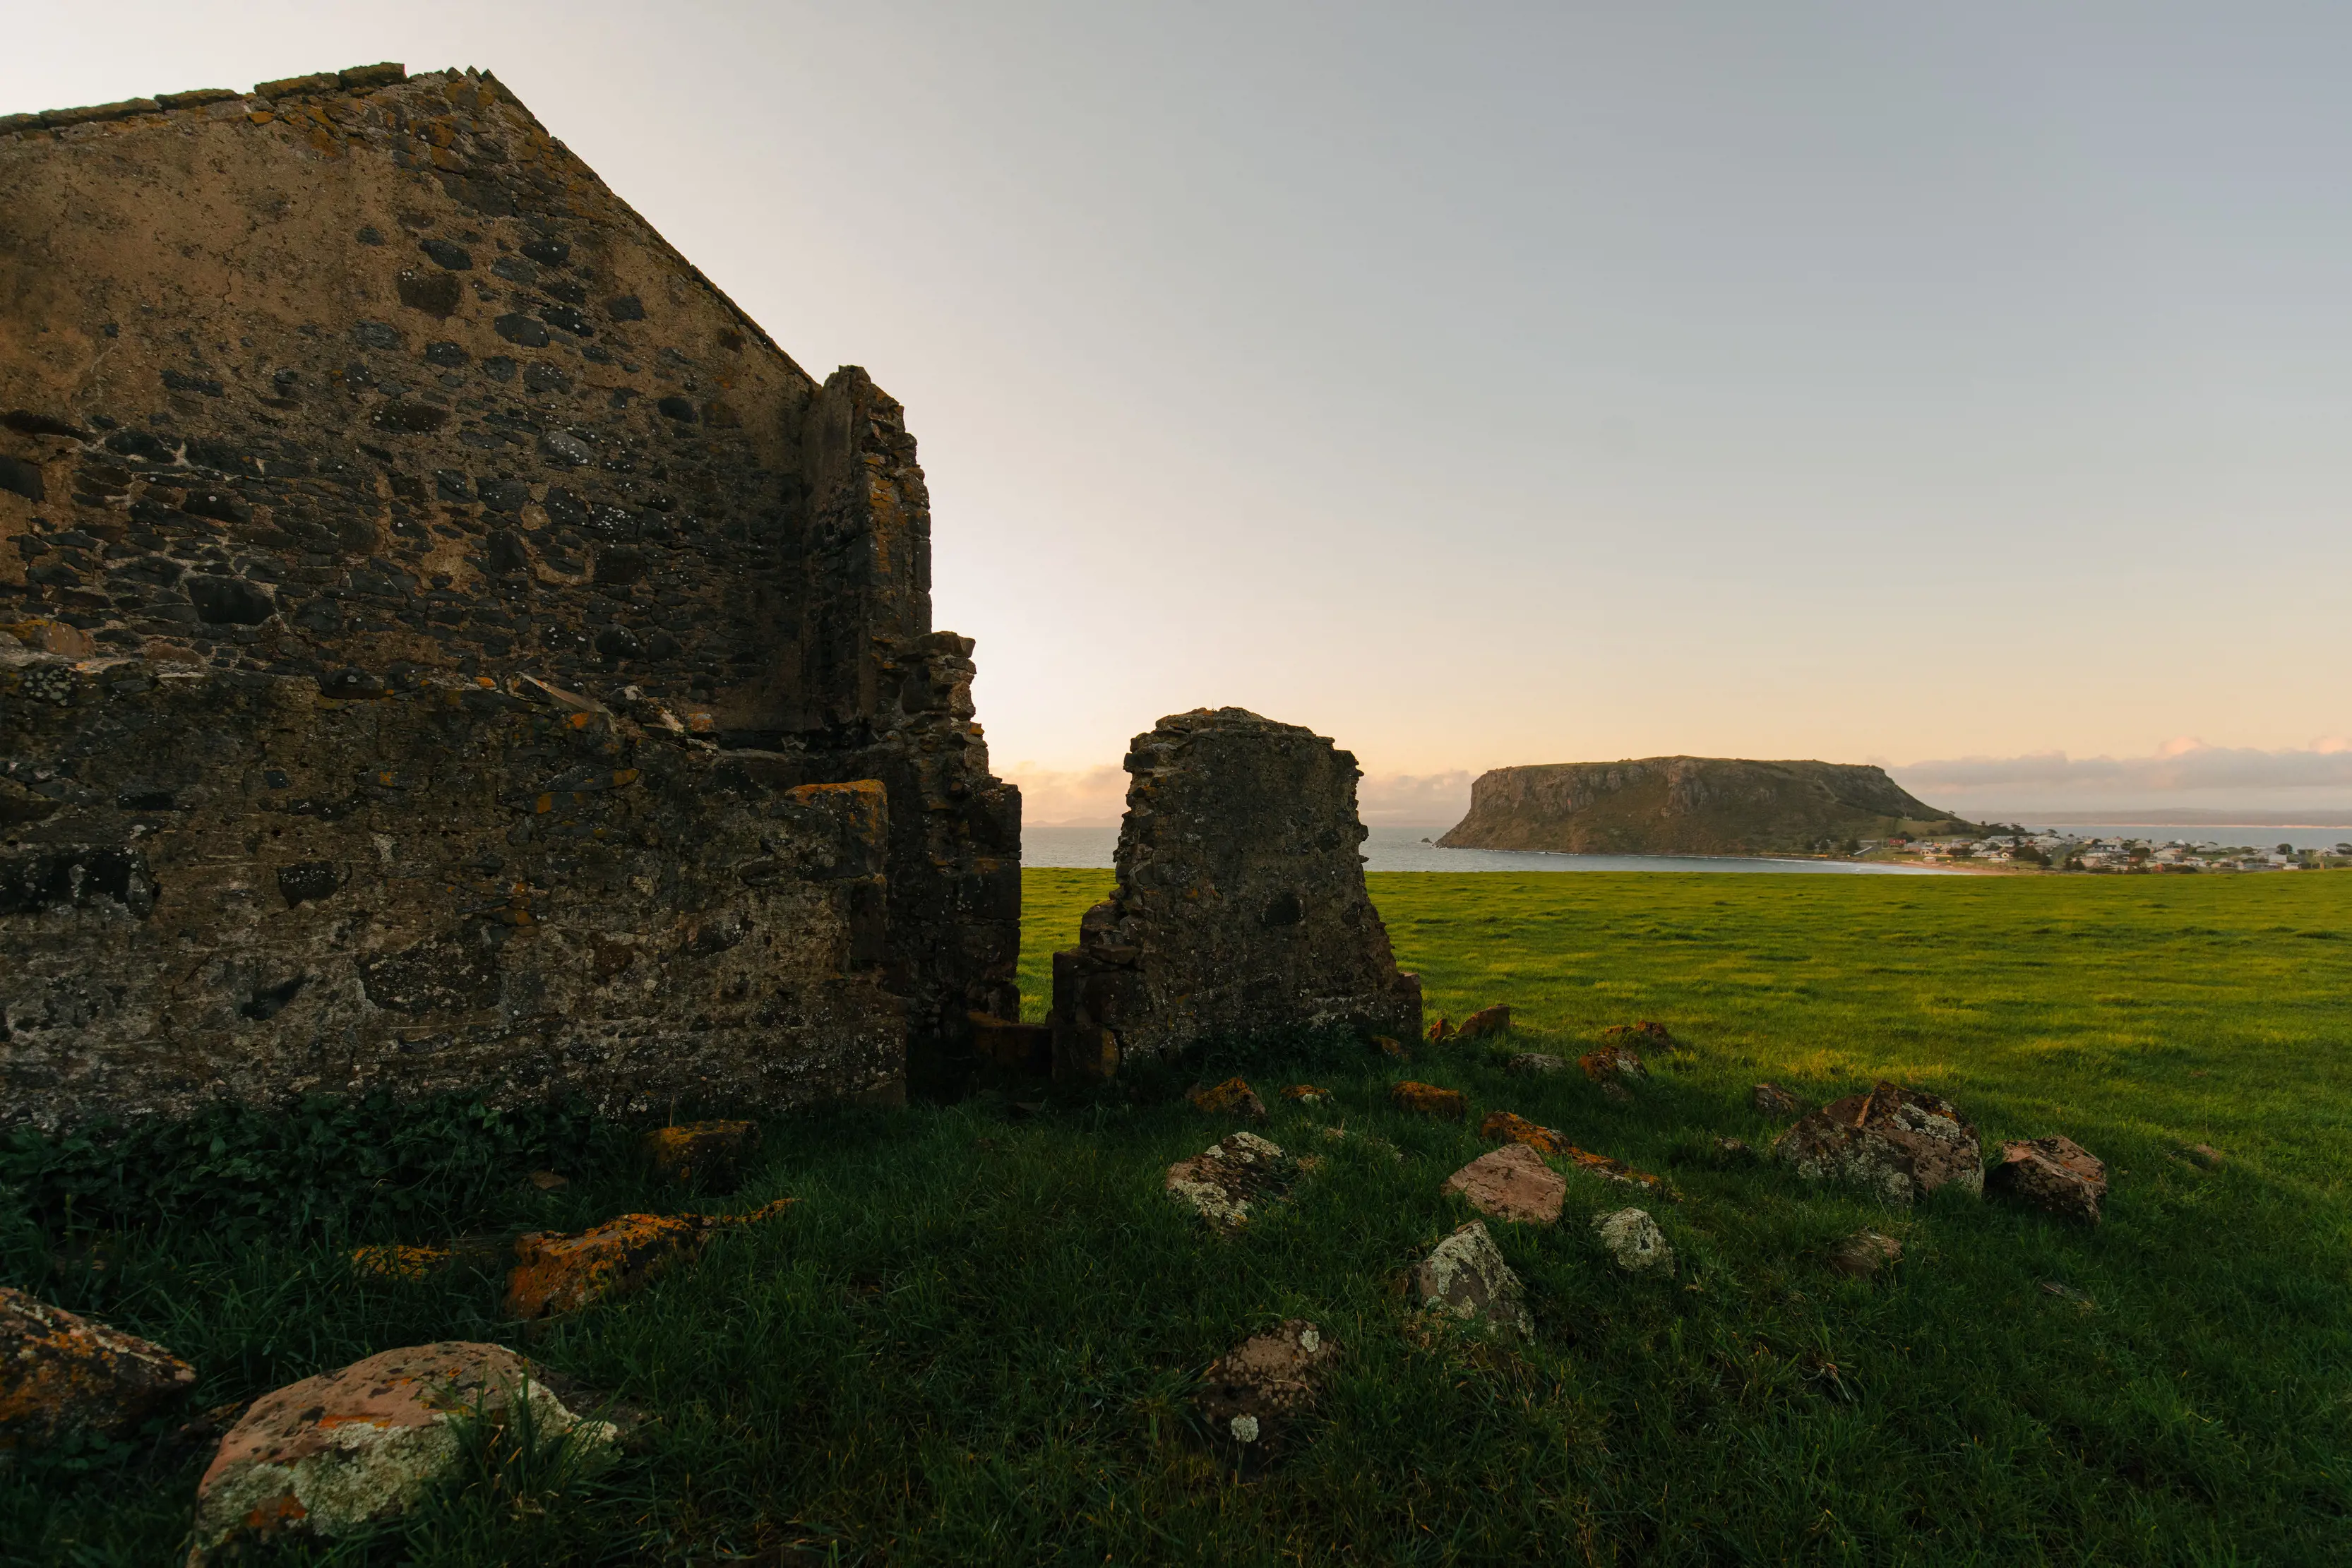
(435,621)
(1240,908)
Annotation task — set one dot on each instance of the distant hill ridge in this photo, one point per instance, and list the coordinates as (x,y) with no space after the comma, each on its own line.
(1690,806)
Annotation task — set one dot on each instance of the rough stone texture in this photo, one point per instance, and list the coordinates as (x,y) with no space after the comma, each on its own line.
(1536,1064)
(1464,1277)
(1771,1100)
(322,408)
(1024,1050)
(699,1152)
(1613,1170)
(1902,1144)
(1233,1097)
(1306,1094)
(1269,1379)
(1221,1182)
(556,1273)
(62,1375)
(330,1454)
(1240,908)
(1511,1183)
(1428,1099)
(1612,1061)
(1865,1253)
(1688,805)
(1634,1240)
(2054,1174)
(1508,1126)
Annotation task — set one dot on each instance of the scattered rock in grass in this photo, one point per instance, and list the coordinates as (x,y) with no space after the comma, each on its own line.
(334,1453)
(1255,1389)
(1634,1240)
(1464,1277)
(1771,1100)
(1865,1253)
(1485,1022)
(1611,1062)
(63,1377)
(1618,1171)
(1233,1097)
(559,1272)
(1536,1064)
(1511,1183)
(707,1153)
(1441,1032)
(1430,1099)
(1221,1182)
(1732,1151)
(1388,1045)
(1900,1142)
(1646,1035)
(2068,1293)
(2204,1155)
(2054,1174)
(393,1262)
(548,1181)
(1505,1126)
(1306,1095)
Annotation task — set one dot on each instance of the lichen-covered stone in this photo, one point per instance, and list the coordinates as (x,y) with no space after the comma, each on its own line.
(347,1449)
(1240,909)
(1485,1023)
(2055,1173)
(1536,1064)
(1429,1100)
(1634,1241)
(699,1152)
(562,1272)
(1611,1062)
(1508,1126)
(1865,1253)
(1252,1390)
(1233,1097)
(1306,1095)
(1613,1170)
(1464,1277)
(1900,1142)
(1511,1183)
(63,1375)
(422,448)
(1648,1034)
(1221,1182)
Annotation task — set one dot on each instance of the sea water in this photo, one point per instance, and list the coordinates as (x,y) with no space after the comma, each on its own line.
(1409,849)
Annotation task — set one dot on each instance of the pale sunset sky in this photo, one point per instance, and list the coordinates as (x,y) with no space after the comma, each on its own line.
(1964,388)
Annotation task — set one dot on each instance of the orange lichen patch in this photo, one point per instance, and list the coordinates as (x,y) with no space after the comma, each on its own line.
(1430,1099)
(1233,1097)
(1648,1033)
(1617,1171)
(1505,1127)
(397,1262)
(698,1150)
(1486,1021)
(1612,1061)
(1305,1093)
(61,1373)
(562,1272)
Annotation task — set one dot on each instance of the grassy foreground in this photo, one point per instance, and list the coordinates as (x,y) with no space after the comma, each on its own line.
(974,1338)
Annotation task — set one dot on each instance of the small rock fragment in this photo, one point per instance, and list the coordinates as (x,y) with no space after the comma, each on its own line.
(562,1272)
(1253,1390)
(1618,1171)
(548,1181)
(393,1262)
(1233,1097)
(2054,1174)
(1221,1182)
(1464,1277)
(63,1375)
(1430,1101)
(1505,1126)
(1771,1100)
(334,1453)
(1865,1253)
(705,1152)
(1441,1032)
(1900,1142)
(1648,1034)
(1612,1061)
(1484,1022)
(1634,1240)
(1536,1064)
(1511,1183)
(1306,1095)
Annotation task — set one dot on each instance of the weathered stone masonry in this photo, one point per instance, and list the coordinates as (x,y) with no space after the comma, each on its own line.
(434,617)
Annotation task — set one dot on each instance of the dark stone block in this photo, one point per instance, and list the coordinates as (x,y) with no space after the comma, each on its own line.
(448,253)
(23,479)
(627,307)
(308,882)
(376,335)
(447,355)
(178,380)
(499,368)
(409,418)
(267,1002)
(546,378)
(452,484)
(567,319)
(221,505)
(678,409)
(455,972)
(230,601)
(505,495)
(434,293)
(548,251)
(518,327)
(51,878)
(138,443)
(515,269)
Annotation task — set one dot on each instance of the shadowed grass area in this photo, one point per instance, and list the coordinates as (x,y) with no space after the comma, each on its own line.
(974,1338)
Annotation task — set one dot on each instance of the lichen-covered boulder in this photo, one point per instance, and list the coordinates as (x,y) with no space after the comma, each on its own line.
(1252,1391)
(1223,1181)
(1464,1278)
(1306,1095)
(1233,1097)
(2054,1174)
(699,1152)
(1509,1127)
(1634,1240)
(62,1375)
(1511,1183)
(1612,1061)
(558,1272)
(1615,1170)
(1428,1099)
(1900,1142)
(347,1449)
(1536,1064)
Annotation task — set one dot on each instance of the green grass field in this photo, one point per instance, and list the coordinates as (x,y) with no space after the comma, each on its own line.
(974,1338)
